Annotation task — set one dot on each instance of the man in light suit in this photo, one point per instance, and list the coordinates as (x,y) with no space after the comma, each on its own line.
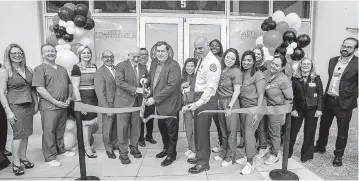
(164,80)
(340,99)
(129,94)
(105,87)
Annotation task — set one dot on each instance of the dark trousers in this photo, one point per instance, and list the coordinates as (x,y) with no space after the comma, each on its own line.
(310,126)
(202,125)
(3,129)
(169,132)
(215,118)
(149,124)
(332,108)
(109,131)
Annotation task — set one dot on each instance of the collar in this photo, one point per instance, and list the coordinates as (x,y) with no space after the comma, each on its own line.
(133,65)
(340,59)
(109,66)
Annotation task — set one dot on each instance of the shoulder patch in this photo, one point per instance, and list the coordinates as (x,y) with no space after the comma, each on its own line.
(213,67)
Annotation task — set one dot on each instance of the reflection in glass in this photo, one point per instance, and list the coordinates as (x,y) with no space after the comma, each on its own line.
(54,6)
(115,6)
(249,8)
(186,7)
(211,32)
(302,8)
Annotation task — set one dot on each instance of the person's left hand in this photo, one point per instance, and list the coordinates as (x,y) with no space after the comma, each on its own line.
(192,107)
(229,107)
(68,101)
(150,101)
(318,113)
(36,108)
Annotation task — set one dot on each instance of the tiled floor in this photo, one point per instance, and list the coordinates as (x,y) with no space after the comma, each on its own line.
(146,168)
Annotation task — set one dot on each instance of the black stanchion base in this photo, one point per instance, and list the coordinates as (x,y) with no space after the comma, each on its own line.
(89,178)
(279,174)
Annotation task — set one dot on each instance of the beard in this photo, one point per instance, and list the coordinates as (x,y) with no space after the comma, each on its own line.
(346,53)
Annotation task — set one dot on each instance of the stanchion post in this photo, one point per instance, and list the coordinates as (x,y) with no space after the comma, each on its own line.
(284,173)
(81,148)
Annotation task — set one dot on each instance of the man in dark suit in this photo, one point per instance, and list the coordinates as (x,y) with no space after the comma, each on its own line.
(340,98)
(164,80)
(105,87)
(128,94)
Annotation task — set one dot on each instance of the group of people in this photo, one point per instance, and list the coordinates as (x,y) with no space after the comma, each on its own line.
(212,80)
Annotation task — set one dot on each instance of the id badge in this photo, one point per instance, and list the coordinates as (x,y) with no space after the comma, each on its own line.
(312,84)
(315,94)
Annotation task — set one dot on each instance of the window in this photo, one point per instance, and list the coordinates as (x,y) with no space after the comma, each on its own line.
(115,6)
(186,7)
(249,8)
(302,8)
(54,6)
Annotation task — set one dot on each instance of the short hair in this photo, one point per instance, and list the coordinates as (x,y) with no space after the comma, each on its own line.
(160,43)
(220,53)
(282,58)
(237,63)
(45,45)
(353,39)
(143,49)
(250,53)
(280,50)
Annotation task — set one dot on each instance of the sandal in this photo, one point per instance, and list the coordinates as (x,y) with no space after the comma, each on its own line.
(93,155)
(17,170)
(27,163)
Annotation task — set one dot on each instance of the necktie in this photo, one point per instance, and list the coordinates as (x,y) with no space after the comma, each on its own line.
(135,69)
(193,83)
(199,65)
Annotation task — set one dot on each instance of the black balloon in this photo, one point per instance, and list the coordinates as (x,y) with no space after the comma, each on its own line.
(56,27)
(272,25)
(90,24)
(303,40)
(289,36)
(66,14)
(264,27)
(80,20)
(285,44)
(298,54)
(68,37)
(266,21)
(81,9)
(58,35)
(281,50)
(62,30)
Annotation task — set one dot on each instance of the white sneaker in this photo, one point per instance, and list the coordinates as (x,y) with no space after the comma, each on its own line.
(262,153)
(242,161)
(271,160)
(69,153)
(217,149)
(192,155)
(187,153)
(218,158)
(226,164)
(54,163)
(248,169)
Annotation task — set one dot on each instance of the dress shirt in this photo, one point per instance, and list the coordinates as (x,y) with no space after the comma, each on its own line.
(337,75)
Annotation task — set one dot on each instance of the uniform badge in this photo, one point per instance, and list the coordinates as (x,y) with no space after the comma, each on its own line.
(213,67)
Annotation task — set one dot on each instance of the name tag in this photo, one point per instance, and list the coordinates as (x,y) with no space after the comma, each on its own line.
(312,85)
(315,94)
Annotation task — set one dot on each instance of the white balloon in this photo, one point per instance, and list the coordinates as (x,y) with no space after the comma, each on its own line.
(87,41)
(298,25)
(259,40)
(265,50)
(62,23)
(58,48)
(67,46)
(70,30)
(293,45)
(79,32)
(278,16)
(290,51)
(70,24)
(61,42)
(67,59)
(292,19)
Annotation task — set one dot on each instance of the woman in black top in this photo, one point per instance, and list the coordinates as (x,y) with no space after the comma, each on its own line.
(307,105)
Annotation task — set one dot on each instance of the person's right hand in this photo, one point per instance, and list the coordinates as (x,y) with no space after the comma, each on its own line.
(143,81)
(10,116)
(185,90)
(185,84)
(61,104)
(109,114)
(294,113)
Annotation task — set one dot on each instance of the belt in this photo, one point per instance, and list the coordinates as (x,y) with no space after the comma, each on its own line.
(332,97)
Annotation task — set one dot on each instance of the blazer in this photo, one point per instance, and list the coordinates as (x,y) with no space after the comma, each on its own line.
(105,86)
(126,84)
(309,93)
(348,86)
(166,91)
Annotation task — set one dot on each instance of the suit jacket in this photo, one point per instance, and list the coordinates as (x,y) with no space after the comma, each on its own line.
(348,86)
(126,84)
(310,93)
(166,91)
(105,87)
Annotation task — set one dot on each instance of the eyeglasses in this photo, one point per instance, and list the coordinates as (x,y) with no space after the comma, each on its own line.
(50,51)
(108,57)
(16,53)
(347,47)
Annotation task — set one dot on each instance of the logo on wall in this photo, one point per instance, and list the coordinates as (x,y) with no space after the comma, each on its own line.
(153,52)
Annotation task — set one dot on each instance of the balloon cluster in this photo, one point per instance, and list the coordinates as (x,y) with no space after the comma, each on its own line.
(70,140)
(72,28)
(281,35)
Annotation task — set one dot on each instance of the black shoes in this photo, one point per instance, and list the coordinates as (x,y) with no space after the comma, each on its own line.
(192,160)
(27,163)
(162,154)
(111,154)
(142,142)
(124,159)
(135,152)
(167,161)
(151,140)
(317,150)
(338,161)
(7,153)
(198,169)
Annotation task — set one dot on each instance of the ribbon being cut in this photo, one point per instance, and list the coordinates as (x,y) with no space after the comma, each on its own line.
(268,110)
